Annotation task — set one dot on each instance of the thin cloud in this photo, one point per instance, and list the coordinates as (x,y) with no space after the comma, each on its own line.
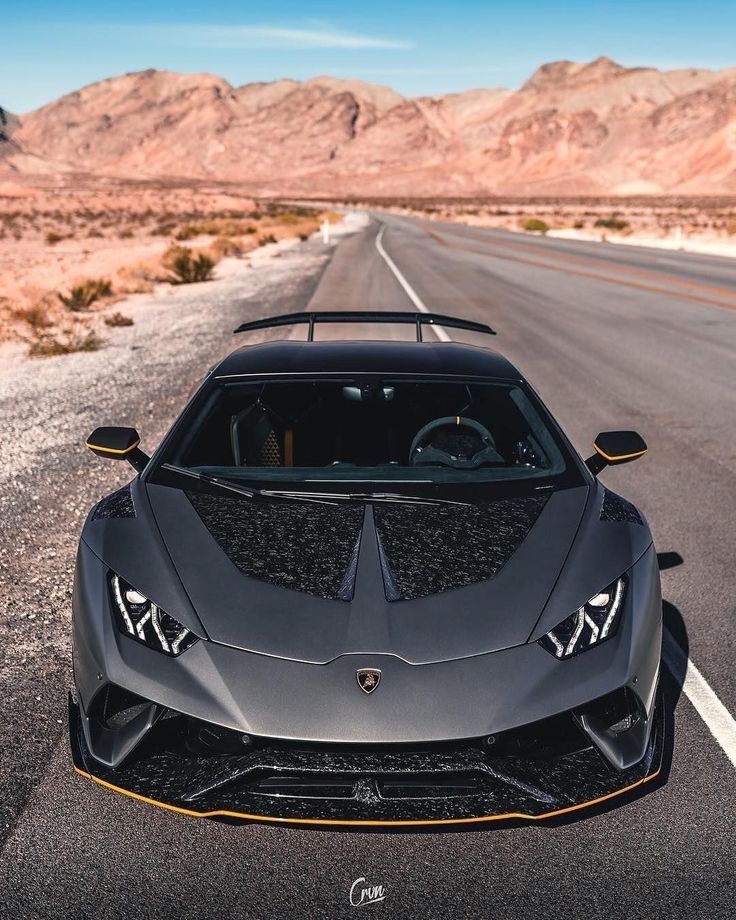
(236,37)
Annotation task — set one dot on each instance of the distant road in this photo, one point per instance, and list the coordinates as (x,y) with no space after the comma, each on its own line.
(611,337)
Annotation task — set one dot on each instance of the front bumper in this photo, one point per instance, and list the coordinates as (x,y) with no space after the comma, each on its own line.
(545,770)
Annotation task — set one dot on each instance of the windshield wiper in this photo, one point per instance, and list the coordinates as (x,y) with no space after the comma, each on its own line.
(323,498)
(228,486)
(367,497)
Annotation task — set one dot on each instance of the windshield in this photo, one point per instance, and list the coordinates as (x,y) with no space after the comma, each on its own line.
(366,432)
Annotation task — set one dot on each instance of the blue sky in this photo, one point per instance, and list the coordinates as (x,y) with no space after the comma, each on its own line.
(48,47)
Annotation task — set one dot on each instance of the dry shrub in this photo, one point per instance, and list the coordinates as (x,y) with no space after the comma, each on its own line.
(266,239)
(187,268)
(225,246)
(37,315)
(290,217)
(217,226)
(82,296)
(52,238)
(612,223)
(535,225)
(118,319)
(64,342)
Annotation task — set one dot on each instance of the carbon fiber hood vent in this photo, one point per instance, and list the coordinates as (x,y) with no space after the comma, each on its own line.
(338,603)
(423,549)
(306,547)
(427,549)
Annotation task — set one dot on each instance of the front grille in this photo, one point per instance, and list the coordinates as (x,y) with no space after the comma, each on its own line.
(304,787)
(432,786)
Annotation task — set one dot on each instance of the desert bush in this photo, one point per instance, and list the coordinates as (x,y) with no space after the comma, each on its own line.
(187,268)
(217,226)
(94,233)
(187,232)
(289,217)
(266,239)
(36,316)
(226,246)
(163,229)
(579,224)
(64,342)
(126,235)
(304,237)
(250,229)
(535,225)
(612,223)
(118,319)
(52,238)
(82,296)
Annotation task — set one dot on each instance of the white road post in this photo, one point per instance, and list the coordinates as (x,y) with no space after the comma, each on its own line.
(326,231)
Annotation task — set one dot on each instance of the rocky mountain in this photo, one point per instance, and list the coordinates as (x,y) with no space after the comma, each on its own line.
(8,126)
(592,128)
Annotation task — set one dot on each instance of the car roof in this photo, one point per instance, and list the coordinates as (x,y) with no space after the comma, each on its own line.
(368,357)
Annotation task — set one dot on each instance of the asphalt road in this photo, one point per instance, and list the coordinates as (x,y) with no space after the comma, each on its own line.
(611,337)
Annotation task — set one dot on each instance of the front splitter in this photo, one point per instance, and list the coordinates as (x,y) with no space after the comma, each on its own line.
(397,788)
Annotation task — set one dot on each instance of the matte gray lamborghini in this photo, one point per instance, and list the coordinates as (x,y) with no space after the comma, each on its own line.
(367,583)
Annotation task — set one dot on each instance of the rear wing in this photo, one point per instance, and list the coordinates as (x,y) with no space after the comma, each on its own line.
(418,320)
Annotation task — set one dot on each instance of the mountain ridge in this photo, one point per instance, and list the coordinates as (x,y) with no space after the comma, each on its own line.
(594,128)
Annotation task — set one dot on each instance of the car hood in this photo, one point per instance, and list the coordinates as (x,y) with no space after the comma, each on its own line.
(311,582)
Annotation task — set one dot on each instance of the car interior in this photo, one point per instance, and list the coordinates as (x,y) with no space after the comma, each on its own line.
(367,422)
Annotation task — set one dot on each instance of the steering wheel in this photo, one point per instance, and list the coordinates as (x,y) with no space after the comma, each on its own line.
(456,452)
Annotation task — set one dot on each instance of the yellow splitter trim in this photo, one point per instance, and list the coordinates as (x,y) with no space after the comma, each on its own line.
(112,450)
(508,816)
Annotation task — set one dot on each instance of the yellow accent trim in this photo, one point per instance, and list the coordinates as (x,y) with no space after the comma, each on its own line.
(509,816)
(289,447)
(618,458)
(112,450)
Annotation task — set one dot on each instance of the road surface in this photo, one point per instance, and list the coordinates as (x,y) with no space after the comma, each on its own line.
(611,337)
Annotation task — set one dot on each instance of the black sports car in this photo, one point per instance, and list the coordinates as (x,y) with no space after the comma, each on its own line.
(366,583)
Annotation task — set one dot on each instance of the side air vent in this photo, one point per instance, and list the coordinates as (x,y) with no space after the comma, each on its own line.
(117,505)
(617,510)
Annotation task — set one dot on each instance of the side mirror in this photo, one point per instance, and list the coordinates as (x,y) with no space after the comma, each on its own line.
(613,447)
(118,444)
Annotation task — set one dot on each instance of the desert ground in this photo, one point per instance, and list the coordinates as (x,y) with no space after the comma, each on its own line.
(69,256)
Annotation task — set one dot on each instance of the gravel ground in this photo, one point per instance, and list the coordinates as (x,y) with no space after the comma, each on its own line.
(48,481)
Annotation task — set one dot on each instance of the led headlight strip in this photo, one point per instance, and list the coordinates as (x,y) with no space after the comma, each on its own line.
(147,623)
(590,625)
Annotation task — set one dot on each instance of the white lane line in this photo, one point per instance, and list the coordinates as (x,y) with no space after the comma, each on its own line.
(410,292)
(696,688)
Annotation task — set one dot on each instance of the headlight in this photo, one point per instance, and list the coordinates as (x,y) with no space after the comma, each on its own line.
(592,624)
(143,621)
